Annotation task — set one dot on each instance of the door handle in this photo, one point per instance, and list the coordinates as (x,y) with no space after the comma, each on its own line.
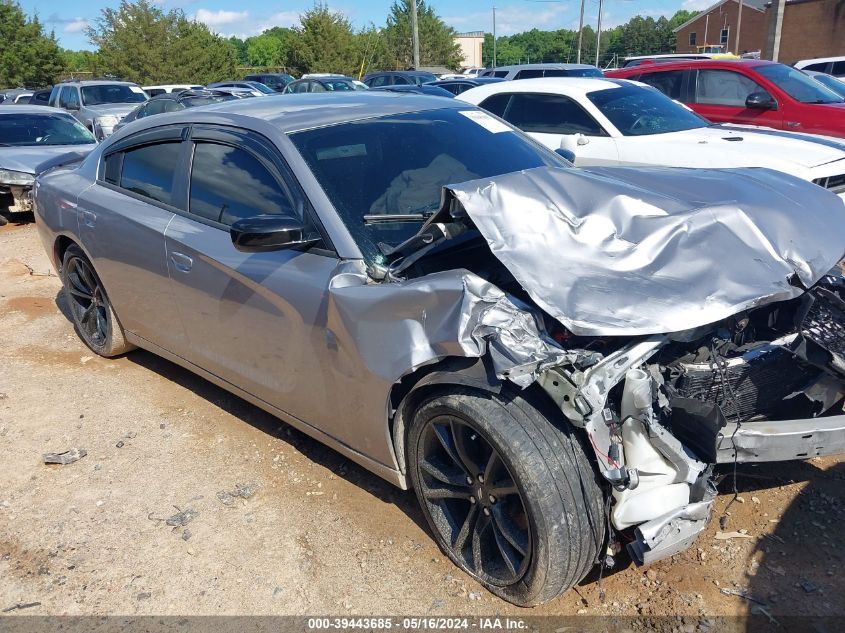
(793,124)
(181,261)
(89,218)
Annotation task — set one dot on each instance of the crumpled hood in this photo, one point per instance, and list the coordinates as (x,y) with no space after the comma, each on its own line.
(737,146)
(34,160)
(637,251)
(119,110)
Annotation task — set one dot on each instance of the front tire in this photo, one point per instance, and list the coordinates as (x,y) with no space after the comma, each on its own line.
(93,317)
(508,492)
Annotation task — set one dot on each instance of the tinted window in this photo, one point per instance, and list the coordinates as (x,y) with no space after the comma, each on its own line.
(529,73)
(40,98)
(376,82)
(550,114)
(838,68)
(149,171)
(455,89)
(500,73)
(338,85)
(426,78)
(399,164)
(817,67)
(670,83)
(638,111)
(797,85)
(399,80)
(69,98)
(155,91)
(191,102)
(229,184)
(496,104)
(724,87)
(112,93)
(157,107)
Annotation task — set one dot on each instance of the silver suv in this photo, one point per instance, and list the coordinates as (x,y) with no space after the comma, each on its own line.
(98,104)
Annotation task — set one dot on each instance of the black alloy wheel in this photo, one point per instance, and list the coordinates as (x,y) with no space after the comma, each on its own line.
(88,303)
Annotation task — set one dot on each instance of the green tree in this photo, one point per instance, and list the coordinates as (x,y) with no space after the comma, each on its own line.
(437,40)
(271,48)
(239,47)
(139,42)
(323,42)
(28,56)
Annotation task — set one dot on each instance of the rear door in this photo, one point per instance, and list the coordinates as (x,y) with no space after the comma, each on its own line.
(122,219)
(253,319)
(719,95)
(556,121)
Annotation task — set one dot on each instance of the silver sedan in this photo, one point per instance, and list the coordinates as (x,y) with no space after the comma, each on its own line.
(548,356)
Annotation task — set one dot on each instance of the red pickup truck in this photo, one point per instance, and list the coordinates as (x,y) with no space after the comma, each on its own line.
(751,92)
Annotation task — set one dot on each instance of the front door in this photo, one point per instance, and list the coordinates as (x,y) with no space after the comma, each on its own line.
(720,96)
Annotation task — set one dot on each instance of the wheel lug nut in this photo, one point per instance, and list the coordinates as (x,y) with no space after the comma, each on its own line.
(472,501)
(487,512)
(469,480)
(481,479)
(492,499)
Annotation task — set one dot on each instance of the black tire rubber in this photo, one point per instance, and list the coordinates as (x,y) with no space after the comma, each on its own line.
(548,462)
(114,342)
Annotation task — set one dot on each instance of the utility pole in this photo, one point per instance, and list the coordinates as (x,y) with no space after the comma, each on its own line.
(598,35)
(494,37)
(580,33)
(738,27)
(416,34)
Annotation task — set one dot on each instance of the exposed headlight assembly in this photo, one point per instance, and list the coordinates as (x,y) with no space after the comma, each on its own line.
(106,120)
(9,177)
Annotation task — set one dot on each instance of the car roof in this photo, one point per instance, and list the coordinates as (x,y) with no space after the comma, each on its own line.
(542,66)
(814,60)
(31,109)
(698,63)
(306,111)
(96,82)
(573,86)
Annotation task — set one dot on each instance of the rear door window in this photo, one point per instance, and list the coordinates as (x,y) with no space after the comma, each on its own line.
(670,82)
(229,183)
(529,73)
(378,81)
(550,114)
(497,104)
(724,87)
(838,68)
(821,68)
(150,171)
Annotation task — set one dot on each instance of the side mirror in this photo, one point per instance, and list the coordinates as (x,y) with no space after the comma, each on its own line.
(760,101)
(568,154)
(269,233)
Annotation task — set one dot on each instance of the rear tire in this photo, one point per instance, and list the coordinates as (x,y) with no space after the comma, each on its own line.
(93,317)
(533,527)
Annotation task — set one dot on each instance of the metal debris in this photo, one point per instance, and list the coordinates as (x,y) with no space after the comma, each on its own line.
(67,457)
(241,491)
(182,518)
(808,585)
(19,606)
(741,593)
(724,536)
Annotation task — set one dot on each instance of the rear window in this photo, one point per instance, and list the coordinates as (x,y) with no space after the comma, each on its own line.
(112,93)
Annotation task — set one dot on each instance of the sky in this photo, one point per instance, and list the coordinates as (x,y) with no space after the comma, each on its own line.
(249,17)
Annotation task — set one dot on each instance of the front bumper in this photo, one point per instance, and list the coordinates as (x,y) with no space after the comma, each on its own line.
(21,197)
(782,441)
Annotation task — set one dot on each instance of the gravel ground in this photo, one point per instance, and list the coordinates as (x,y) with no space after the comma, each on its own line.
(308,532)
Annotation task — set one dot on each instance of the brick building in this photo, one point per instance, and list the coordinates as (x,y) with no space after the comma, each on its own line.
(714,29)
(810,28)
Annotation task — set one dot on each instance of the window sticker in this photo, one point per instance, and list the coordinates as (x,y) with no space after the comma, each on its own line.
(486,121)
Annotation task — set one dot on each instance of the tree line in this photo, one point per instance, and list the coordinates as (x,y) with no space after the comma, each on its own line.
(142,42)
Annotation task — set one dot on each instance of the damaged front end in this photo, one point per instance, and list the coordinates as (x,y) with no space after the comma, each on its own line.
(679,325)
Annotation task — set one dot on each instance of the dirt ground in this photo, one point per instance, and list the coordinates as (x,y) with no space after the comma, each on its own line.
(319,535)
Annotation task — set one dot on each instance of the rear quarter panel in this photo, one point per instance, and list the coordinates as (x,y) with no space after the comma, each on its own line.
(56,195)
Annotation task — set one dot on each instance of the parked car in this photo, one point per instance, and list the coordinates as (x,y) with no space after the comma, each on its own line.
(828,81)
(256,88)
(32,140)
(457,86)
(153,91)
(40,97)
(98,104)
(398,78)
(175,101)
(324,83)
(831,65)
(10,95)
(276,81)
(424,89)
(752,92)
(619,122)
(419,285)
(534,71)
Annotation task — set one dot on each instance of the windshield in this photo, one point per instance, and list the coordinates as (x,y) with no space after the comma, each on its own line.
(112,93)
(640,111)
(797,85)
(260,87)
(42,129)
(399,164)
(831,82)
